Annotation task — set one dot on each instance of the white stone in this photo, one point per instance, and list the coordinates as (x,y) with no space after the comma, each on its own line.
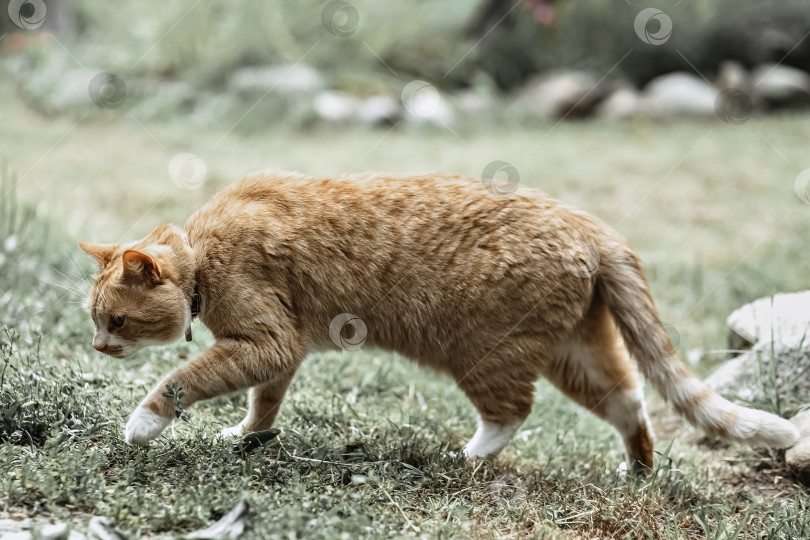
(569,94)
(379,110)
(778,83)
(335,106)
(773,318)
(749,375)
(292,79)
(798,457)
(621,103)
(678,94)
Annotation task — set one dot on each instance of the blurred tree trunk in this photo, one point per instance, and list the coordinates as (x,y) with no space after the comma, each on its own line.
(61,18)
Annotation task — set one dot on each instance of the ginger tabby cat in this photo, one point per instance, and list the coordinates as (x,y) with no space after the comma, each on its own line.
(493,291)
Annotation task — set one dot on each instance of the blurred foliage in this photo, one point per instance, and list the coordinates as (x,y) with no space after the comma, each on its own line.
(202,42)
(181,58)
(29,266)
(596,34)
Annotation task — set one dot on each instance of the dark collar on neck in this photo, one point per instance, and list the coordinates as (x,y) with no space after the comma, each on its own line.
(196,301)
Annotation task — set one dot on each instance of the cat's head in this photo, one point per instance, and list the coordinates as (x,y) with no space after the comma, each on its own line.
(140,295)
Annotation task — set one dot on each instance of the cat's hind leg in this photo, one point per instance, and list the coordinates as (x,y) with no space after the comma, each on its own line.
(502,393)
(593,368)
(491,437)
(264,401)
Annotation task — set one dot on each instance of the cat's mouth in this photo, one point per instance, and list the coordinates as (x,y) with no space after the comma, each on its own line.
(116,351)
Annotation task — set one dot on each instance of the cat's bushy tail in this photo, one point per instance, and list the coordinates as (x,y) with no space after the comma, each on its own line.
(624,289)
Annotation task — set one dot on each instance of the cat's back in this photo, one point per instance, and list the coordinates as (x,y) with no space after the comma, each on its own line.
(421,213)
(439,247)
(274,194)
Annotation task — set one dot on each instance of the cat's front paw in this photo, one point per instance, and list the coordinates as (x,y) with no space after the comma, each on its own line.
(143,426)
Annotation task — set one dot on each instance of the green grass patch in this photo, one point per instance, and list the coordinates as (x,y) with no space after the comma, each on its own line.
(368,443)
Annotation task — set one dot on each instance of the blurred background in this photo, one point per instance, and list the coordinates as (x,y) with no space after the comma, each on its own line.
(329,61)
(684,125)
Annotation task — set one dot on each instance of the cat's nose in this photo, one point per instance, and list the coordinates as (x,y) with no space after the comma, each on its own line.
(99,343)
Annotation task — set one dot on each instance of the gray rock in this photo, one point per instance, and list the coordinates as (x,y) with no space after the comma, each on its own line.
(678,94)
(336,106)
(57,89)
(103,528)
(772,318)
(56,531)
(443,113)
(295,79)
(379,111)
(470,102)
(621,103)
(566,94)
(802,421)
(72,90)
(18,535)
(15,530)
(425,104)
(25,529)
(781,85)
(754,377)
(798,457)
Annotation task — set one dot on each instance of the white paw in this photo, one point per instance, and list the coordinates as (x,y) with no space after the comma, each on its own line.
(143,426)
(234,431)
(489,439)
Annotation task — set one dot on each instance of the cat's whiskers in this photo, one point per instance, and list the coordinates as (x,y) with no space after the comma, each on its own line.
(76,285)
(69,289)
(80,274)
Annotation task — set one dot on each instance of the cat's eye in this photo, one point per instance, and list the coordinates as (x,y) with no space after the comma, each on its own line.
(117,320)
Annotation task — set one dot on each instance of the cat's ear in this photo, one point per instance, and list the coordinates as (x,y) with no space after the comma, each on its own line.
(102,253)
(140,267)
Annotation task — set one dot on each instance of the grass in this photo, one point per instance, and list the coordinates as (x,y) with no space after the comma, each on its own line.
(368,442)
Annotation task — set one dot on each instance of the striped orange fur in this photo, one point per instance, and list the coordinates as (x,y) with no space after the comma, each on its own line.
(493,291)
